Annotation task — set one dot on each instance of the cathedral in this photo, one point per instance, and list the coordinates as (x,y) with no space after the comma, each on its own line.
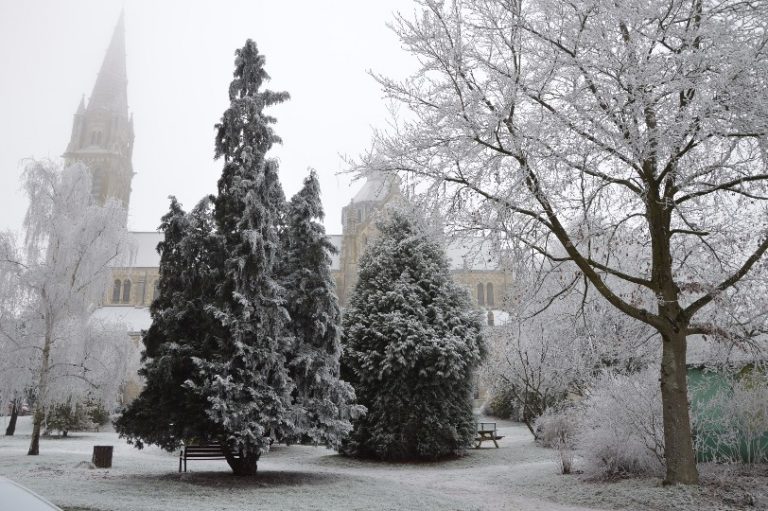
(102,137)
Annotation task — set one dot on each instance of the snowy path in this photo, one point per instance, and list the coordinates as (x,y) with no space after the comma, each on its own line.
(296,477)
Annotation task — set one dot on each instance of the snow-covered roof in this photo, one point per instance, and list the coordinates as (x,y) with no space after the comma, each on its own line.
(376,188)
(144,249)
(136,319)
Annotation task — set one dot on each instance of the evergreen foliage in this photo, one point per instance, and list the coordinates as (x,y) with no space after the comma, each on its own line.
(69,416)
(411,342)
(223,363)
(168,412)
(245,378)
(324,399)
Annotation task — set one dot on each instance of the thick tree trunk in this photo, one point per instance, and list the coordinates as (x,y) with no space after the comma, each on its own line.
(243,465)
(678,441)
(11,429)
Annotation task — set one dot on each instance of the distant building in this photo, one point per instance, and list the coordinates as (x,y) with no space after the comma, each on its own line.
(102,131)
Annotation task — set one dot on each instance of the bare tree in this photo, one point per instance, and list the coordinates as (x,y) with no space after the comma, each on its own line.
(49,289)
(558,123)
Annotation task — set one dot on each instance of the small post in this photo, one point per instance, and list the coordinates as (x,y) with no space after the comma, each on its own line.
(102,456)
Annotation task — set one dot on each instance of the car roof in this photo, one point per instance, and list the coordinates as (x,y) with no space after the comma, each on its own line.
(15,496)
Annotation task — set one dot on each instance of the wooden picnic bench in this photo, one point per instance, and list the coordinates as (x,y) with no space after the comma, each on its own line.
(200,452)
(486,431)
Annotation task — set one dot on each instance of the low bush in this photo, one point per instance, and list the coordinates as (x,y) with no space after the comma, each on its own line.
(500,405)
(557,429)
(620,430)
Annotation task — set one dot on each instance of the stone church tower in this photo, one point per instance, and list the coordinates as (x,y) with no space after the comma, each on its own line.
(102,131)
(358,220)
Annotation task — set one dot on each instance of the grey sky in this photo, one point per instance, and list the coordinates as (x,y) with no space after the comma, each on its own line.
(180,62)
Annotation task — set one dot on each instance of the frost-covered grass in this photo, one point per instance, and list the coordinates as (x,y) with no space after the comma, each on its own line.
(517,476)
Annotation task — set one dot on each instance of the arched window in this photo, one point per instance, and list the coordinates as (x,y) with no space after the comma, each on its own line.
(156,290)
(126,291)
(489,294)
(116,291)
(481,294)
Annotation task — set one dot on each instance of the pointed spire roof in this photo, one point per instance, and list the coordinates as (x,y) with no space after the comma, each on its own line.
(111,89)
(81,106)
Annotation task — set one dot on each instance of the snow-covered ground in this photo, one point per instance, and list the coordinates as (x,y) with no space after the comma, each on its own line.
(517,476)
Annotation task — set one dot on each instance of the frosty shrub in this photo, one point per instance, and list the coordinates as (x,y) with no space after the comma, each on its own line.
(621,429)
(75,416)
(557,430)
(500,404)
(411,343)
(731,421)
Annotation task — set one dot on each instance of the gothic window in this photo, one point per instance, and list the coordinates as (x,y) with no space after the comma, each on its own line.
(126,291)
(116,291)
(489,294)
(481,294)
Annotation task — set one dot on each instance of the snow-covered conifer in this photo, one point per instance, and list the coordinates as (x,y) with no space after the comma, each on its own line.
(167,411)
(245,380)
(411,342)
(323,399)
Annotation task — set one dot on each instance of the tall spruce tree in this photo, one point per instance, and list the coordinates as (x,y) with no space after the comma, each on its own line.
(167,411)
(246,381)
(324,401)
(411,342)
(216,354)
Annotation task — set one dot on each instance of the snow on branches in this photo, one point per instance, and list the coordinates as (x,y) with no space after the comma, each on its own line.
(51,285)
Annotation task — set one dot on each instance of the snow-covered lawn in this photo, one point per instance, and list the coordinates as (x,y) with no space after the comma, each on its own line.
(517,476)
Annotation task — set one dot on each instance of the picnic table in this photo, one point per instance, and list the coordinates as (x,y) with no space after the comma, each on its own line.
(486,431)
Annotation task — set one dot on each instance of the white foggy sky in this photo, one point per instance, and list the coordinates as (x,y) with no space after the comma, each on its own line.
(180,62)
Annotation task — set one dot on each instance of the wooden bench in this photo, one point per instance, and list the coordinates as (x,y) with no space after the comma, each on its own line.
(200,452)
(486,431)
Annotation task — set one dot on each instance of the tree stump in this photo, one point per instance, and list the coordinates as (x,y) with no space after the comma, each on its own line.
(102,456)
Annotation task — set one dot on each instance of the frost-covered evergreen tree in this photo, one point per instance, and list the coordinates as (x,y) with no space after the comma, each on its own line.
(167,411)
(324,400)
(245,379)
(411,342)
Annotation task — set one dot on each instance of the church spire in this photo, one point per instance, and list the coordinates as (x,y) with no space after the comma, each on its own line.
(110,92)
(102,131)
